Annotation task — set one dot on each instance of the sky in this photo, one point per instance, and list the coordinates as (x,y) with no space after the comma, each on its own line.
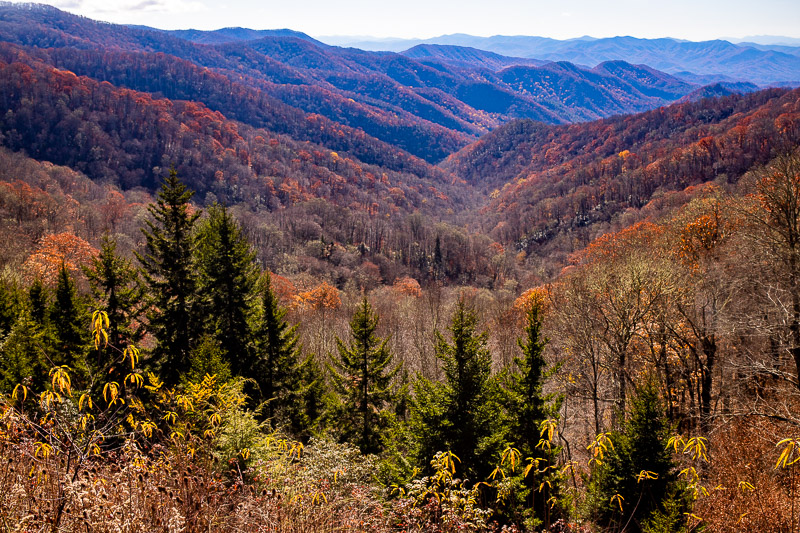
(683,19)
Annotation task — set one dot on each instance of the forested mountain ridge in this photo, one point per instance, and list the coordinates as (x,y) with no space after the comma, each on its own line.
(467,56)
(425,107)
(717,60)
(260,159)
(128,138)
(167,76)
(559,180)
(236,294)
(229,35)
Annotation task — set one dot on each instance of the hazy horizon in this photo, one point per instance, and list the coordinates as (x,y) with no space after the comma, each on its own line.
(426,19)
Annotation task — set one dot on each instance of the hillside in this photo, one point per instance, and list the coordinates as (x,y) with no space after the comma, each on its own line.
(608,89)
(251,282)
(466,56)
(231,35)
(550,181)
(130,138)
(718,59)
(718,90)
(169,77)
(256,129)
(427,107)
(273,119)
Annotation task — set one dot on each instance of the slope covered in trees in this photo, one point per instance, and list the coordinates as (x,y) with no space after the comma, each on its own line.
(429,109)
(129,138)
(712,61)
(550,180)
(561,324)
(466,56)
(645,376)
(170,77)
(562,327)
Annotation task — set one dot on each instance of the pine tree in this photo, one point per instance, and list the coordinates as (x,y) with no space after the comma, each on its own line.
(529,411)
(639,468)
(117,290)
(460,415)
(8,309)
(207,358)
(37,301)
(278,362)
(24,352)
(362,378)
(21,355)
(438,260)
(228,273)
(311,394)
(169,271)
(69,321)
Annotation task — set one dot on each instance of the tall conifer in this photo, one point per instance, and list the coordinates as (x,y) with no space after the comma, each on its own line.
(278,361)
(24,352)
(117,290)
(228,274)
(37,301)
(363,379)
(21,354)
(461,414)
(530,411)
(640,469)
(8,308)
(69,323)
(169,271)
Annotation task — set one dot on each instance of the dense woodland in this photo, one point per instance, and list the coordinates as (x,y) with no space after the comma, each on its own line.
(426,107)
(236,294)
(660,368)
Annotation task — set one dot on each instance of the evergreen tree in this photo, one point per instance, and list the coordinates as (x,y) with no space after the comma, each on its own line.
(24,352)
(460,415)
(37,301)
(70,342)
(228,273)
(438,260)
(21,355)
(169,271)
(362,378)
(639,468)
(311,394)
(278,362)
(207,358)
(8,309)
(529,409)
(117,290)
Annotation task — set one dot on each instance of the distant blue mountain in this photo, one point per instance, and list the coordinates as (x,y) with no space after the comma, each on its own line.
(467,56)
(763,64)
(718,90)
(232,35)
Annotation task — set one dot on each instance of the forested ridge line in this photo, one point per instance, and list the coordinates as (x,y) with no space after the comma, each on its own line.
(646,374)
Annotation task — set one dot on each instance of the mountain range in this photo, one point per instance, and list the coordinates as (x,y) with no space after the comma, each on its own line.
(526,152)
(705,62)
(428,102)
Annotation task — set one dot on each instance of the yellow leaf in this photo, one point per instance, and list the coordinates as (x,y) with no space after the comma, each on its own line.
(646,474)
(110,391)
(99,325)
(20,387)
(619,499)
(131,353)
(497,471)
(43,449)
(85,398)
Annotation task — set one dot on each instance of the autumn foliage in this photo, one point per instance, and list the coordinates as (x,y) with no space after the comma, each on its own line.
(55,250)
